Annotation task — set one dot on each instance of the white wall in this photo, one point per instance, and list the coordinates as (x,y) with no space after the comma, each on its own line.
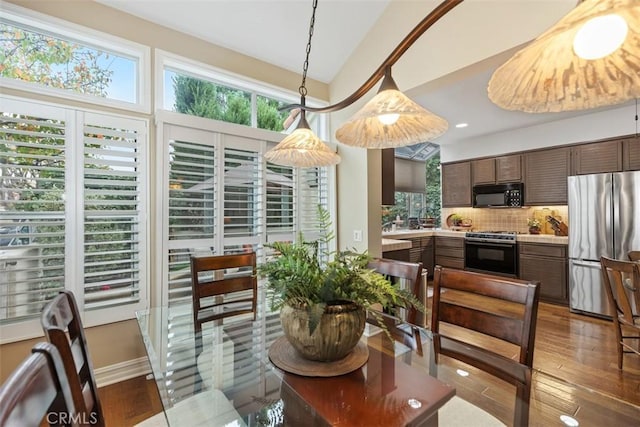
(588,127)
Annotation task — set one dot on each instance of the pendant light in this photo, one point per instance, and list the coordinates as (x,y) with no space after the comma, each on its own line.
(390,119)
(302,148)
(589,59)
(413,124)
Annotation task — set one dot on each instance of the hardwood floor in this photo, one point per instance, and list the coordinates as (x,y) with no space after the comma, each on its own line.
(573,347)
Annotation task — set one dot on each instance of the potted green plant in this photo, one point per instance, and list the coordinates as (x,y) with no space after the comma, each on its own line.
(323,296)
(534,225)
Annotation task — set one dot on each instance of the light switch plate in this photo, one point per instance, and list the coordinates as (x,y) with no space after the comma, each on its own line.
(357,235)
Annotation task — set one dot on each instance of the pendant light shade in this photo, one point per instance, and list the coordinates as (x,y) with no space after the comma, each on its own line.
(589,59)
(302,148)
(391,120)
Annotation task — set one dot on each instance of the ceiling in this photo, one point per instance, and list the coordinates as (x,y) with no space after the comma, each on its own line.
(340,26)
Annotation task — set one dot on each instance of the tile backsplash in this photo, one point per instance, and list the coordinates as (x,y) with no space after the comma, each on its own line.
(508,219)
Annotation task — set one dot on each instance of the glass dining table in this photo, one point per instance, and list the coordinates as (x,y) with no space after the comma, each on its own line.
(225,378)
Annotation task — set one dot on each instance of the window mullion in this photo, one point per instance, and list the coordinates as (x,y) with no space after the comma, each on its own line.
(74,207)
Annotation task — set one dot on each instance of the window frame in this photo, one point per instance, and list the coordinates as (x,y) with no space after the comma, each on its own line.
(141,54)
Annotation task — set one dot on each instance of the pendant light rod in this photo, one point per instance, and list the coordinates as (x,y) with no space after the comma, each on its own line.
(433,17)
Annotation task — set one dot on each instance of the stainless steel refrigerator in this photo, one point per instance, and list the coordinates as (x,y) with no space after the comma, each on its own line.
(604,220)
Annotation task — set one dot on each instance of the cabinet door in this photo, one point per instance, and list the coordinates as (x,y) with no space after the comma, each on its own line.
(598,157)
(550,272)
(508,168)
(546,173)
(484,171)
(388,176)
(428,251)
(631,153)
(456,184)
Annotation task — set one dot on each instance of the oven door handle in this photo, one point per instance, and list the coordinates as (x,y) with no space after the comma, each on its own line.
(495,245)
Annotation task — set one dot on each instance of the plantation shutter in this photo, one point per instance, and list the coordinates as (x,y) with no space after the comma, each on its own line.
(33,157)
(72,213)
(114,212)
(223,197)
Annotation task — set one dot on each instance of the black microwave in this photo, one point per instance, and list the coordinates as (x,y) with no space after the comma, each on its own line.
(509,195)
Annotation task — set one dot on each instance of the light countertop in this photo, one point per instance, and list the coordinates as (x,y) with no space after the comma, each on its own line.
(390,239)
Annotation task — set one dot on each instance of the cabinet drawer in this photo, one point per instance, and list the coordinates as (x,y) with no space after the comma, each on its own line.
(556,251)
(451,262)
(450,252)
(449,242)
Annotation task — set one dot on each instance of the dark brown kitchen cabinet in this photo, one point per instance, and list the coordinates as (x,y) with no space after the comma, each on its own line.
(597,157)
(545,176)
(546,263)
(631,153)
(422,250)
(388,176)
(449,252)
(456,184)
(398,255)
(497,170)
(484,171)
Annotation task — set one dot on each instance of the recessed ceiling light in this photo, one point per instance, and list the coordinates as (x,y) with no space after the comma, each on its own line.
(462,125)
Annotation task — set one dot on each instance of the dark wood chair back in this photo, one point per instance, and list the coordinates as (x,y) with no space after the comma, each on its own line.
(474,306)
(395,271)
(37,392)
(622,284)
(634,256)
(63,328)
(223,286)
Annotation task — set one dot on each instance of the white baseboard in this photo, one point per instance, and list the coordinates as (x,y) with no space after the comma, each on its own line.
(122,371)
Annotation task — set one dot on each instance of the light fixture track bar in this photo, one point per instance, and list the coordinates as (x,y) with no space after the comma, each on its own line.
(433,17)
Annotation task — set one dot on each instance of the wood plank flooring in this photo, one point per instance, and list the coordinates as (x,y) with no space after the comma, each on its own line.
(569,346)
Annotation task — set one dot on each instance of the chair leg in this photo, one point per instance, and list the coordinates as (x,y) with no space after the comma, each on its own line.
(619,346)
(521,413)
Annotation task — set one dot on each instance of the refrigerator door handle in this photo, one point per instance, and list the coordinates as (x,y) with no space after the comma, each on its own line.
(585,263)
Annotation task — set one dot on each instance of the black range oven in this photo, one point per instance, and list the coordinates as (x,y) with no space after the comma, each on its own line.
(492,252)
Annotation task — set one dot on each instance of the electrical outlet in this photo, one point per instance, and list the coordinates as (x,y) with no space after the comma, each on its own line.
(357,235)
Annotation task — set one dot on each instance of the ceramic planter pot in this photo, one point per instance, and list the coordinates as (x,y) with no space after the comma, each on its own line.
(338,332)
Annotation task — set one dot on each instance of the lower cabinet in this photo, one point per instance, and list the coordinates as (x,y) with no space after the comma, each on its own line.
(548,264)
(422,250)
(450,252)
(399,255)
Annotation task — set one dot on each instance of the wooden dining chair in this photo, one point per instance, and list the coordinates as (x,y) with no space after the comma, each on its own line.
(394,270)
(484,315)
(622,284)
(63,328)
(223,286)
(634,256)
(37,392)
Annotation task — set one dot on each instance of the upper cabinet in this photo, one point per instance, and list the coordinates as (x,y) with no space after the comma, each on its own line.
(456,184)
(631,153)
(388,176)
(597,157)
(545,176)
(497,170)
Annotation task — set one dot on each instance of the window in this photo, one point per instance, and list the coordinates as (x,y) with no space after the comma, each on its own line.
(72,212)
(196,89)
(45,55)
